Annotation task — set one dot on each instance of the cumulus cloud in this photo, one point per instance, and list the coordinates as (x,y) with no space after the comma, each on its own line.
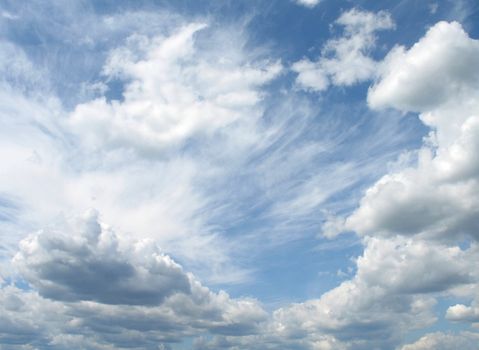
(463,313)
(88,279)
(414,266)
(388,294)
(422,212)
(437,196)
(89,265)
(345,61)
(436,70)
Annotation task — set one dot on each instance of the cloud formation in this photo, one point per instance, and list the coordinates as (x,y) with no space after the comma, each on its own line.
(87,278)
(430,205)
(85,262)
(435,71)
(189,143)
(438,196)
(345,61)
(173,92)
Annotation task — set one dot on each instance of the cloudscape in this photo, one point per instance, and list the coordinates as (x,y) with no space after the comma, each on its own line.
(270,175)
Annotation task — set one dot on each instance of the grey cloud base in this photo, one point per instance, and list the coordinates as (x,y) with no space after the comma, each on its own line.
(86,263)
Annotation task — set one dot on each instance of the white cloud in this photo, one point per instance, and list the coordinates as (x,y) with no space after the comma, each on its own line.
(463,313)
(413,266)
(445,341)
(19,73)
(345,61)
(308,3)
(438,196)
(310,75)
(433,7)
(8,15)
(437,70)
(392,276)
(415,217)
(172,94)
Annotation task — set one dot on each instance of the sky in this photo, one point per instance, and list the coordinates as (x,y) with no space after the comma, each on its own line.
(289,174)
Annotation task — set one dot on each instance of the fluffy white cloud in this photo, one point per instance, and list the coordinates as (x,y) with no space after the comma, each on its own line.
(345,61)
(413,266)
(463,313)
(384,300)
(379,303)
(423,211)
(437,70)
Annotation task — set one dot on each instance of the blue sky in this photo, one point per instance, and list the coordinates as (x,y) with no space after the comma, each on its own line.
(239,174)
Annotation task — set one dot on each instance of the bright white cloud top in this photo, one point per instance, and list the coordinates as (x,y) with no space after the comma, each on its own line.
(239,175)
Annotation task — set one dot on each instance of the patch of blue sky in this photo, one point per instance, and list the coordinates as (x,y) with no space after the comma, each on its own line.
(299,271)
